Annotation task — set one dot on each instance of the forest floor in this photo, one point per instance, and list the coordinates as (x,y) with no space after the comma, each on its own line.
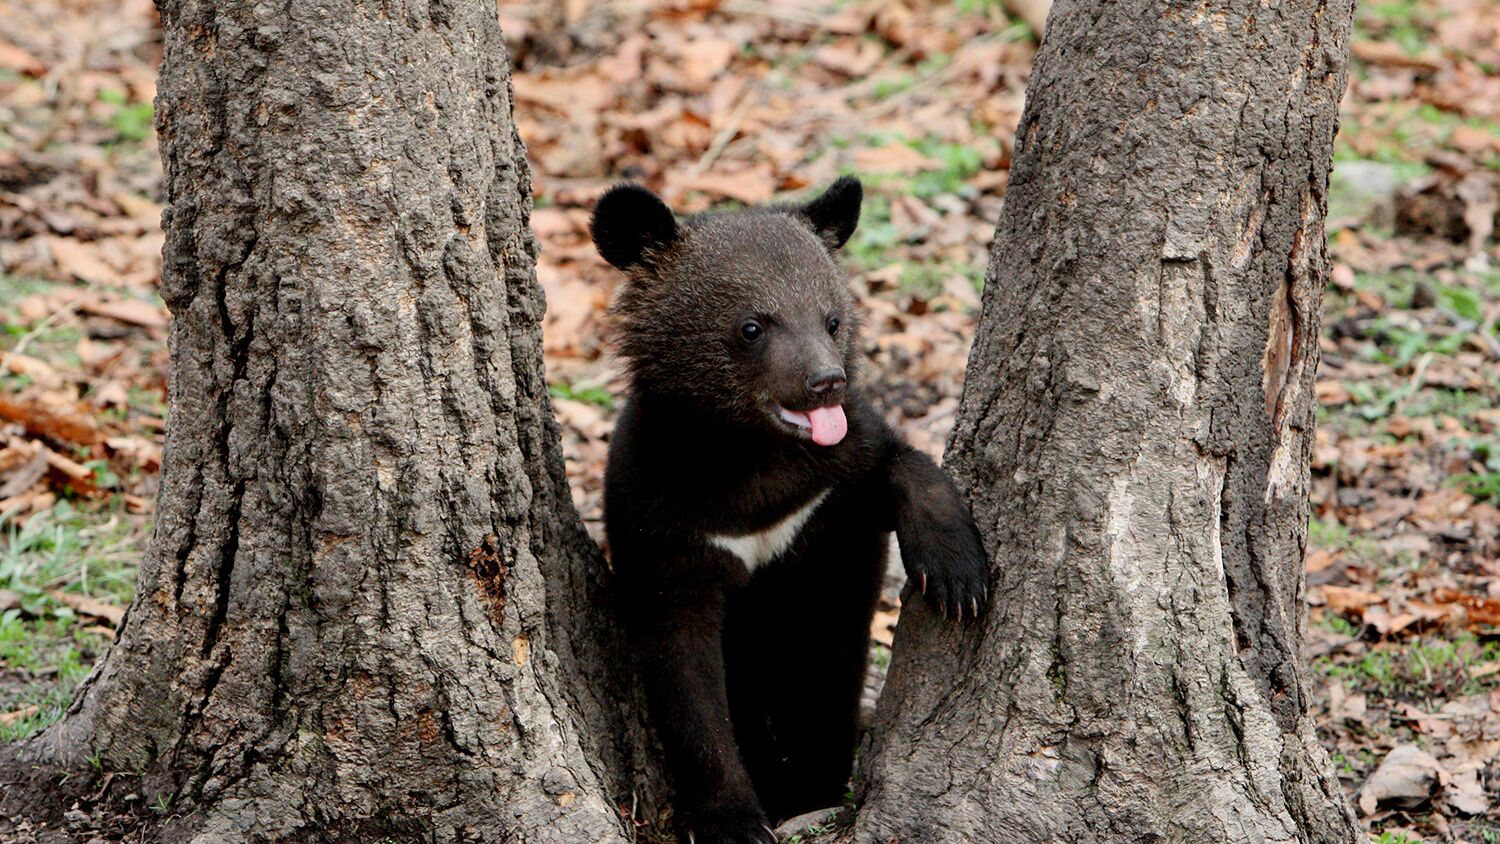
(741,101)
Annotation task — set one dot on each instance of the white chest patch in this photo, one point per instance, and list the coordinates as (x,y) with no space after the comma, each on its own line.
(757,549)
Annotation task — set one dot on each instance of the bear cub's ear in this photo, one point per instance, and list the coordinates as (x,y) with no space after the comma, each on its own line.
(631,226)
(835,213)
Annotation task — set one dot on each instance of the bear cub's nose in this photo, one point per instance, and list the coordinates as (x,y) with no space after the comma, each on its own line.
(826,383)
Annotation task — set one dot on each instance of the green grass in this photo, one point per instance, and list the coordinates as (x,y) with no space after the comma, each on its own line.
(15,288)
(151,402)
(1462,303)
(1485,483)
(1333,535)
(891,85)
(1484,486)
(1426,667)
(876,235)
(926,280)
(1408,23)
(131,121)
(1375,669)
(55,655)
(979,6)
(1340,625)
(813,830)
(1394,288)
(1397,345)
(1439,401)
(594,395)
(88,551)
(56,344)
(953,165)
(45,646)
(1490,281)
(1400,134)
(874,244)
(957,164)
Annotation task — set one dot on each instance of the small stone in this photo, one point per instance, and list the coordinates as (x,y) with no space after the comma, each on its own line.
(1423,296)
(77,819)
(807,821)
(1364,189)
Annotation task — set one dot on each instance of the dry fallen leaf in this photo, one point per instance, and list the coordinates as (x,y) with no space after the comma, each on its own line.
(145,454)
(1331,393)
(1466,791)
(1344,705)
(20,479)
(78,260)
(1386,623)
(99,630)
(8,718)
(1404,779)
(588,420)
(883,626)
(1391,53)
(892,158)
(650,92)
(1345,600)
(16,59)
(1480,610)
(705,58)
(752,185)
(89,606)
(51,415)
(41,373)
(132,311)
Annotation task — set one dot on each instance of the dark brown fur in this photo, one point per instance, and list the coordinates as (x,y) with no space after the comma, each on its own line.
(753,677)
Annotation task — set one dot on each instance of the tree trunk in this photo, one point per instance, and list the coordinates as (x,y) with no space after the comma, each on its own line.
(1134,436)
(369,608)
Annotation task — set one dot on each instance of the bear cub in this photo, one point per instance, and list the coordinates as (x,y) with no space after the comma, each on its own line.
(749,497)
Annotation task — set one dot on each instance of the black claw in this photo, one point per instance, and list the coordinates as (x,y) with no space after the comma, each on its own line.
(923,575)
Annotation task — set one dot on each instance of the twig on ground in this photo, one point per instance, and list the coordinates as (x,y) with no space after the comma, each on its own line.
(726,134)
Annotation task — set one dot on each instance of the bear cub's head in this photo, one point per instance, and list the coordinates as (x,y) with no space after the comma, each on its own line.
(744,313)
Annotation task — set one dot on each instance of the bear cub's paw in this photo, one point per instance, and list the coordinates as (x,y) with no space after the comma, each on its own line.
(733,826)
(946,563)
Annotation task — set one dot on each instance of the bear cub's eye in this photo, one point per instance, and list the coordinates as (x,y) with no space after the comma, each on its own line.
(833,324)
(751,331)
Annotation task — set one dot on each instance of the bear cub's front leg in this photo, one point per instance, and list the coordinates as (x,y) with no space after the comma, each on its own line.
(940,544)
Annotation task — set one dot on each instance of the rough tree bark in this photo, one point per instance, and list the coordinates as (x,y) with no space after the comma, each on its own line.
(1134,435)
(369,608)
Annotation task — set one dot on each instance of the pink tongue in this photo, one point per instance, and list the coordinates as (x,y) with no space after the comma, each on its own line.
(828,424)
